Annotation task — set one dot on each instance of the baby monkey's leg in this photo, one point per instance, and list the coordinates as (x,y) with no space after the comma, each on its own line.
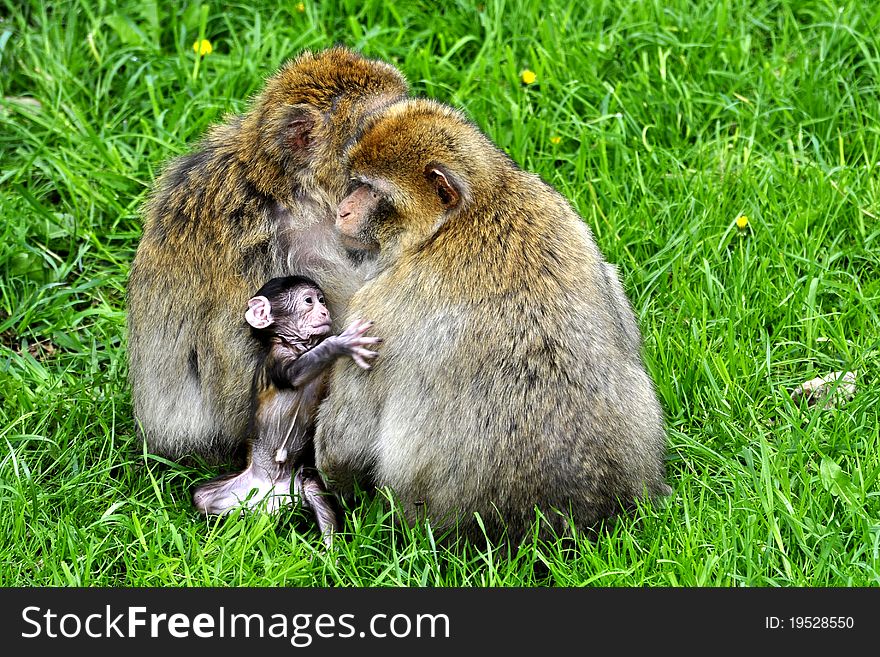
(310,487)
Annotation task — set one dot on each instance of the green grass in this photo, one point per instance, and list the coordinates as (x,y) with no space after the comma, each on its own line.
(674,118)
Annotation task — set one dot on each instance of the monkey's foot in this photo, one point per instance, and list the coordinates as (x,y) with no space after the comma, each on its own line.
(242,492)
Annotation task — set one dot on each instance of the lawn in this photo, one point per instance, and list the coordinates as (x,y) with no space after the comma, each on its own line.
(724,153)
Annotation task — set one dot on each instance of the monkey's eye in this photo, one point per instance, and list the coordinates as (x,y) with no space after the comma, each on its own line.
(308,300)
(353,184)
(321,300)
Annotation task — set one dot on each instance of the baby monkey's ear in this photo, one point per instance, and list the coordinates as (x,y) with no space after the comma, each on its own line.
(259,312)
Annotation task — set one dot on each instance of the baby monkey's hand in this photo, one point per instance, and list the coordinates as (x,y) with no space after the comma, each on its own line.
(352,342)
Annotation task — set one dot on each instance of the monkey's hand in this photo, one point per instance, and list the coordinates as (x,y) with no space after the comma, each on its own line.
(352,342)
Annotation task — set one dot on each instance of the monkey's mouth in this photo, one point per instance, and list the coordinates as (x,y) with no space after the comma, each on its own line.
(321,329)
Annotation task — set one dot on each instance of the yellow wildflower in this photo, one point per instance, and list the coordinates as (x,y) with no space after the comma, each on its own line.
(556,139)
(528,77)
(742,221)
(301,7)
(203,47)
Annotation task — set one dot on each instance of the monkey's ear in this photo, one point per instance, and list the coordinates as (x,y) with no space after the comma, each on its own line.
(299,132)
(444,187)
(259,312)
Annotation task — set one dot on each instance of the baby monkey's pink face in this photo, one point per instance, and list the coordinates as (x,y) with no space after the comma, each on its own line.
(295,313)
(309,311)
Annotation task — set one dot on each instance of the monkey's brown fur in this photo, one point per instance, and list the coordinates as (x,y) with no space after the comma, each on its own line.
(255,200)
(510,376)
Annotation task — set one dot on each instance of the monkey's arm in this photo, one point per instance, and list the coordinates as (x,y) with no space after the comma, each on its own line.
(292,373)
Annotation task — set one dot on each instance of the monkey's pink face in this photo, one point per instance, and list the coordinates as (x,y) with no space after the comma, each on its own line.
(353,218)
(413,205)
(297,312)
(311,309)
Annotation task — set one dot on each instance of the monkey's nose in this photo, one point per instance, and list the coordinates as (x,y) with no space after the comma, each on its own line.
(342,214)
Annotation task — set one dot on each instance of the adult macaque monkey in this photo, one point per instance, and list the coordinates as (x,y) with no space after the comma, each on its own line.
(290,320)
(511,375)
(255,200)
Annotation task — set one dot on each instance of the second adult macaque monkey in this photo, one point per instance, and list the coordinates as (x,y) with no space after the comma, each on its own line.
(255,199)
(290,320)
(511,376)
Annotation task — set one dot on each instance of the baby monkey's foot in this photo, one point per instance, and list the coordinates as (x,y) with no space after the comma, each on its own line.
(243,491)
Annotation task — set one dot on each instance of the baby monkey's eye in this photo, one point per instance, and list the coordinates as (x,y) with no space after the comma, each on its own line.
(309,300)
(321,300)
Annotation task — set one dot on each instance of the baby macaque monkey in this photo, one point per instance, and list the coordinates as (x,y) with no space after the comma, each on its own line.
(289,318)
